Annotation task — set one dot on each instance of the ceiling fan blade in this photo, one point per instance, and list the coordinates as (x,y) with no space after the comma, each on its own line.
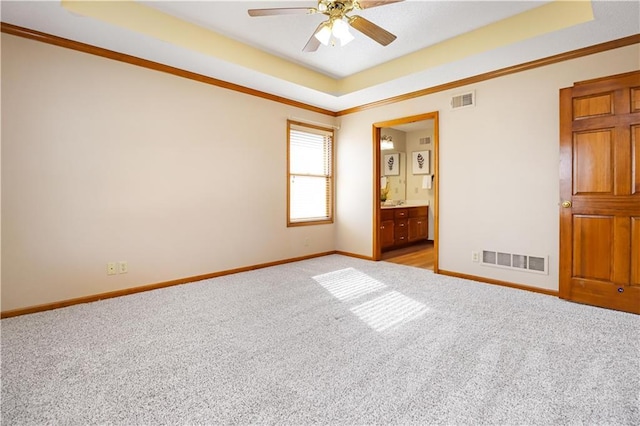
(282,11)
(367,4)
(371,30)
(313,43)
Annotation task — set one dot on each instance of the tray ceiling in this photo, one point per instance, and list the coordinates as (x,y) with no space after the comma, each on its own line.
(437,41)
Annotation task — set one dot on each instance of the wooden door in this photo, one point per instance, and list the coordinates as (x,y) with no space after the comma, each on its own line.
(600,190)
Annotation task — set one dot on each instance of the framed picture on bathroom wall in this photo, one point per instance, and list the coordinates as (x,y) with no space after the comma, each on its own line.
(391,164)
(421,162)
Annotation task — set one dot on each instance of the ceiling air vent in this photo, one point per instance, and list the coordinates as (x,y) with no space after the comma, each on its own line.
(463,100)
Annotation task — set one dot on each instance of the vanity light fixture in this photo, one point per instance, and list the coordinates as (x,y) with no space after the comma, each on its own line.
(386,143)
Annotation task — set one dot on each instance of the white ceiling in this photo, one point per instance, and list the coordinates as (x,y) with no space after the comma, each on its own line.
(418,24)
(357,74)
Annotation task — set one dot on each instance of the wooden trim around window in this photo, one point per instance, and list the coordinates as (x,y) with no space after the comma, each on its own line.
(331,196)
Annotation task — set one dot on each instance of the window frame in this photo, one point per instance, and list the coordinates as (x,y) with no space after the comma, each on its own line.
(306,127)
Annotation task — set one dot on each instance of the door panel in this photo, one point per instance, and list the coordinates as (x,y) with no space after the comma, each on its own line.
(621,251)
(635,99)
(635,158)
(600,189)
(635,251)
(592,163)
(591,106)
(592,237)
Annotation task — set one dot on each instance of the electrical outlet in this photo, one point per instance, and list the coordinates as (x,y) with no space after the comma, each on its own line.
(306,242)
(123,268)
(111,268)
(475,256)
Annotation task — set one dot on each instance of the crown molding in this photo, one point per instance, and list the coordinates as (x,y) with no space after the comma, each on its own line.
(133,60)
(598,48)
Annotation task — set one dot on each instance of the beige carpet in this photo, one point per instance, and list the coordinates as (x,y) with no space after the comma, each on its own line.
(333,340)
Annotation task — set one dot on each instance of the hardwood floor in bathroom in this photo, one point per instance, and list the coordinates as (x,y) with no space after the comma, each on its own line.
(417,255)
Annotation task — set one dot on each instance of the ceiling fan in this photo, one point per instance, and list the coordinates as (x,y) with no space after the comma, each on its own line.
(337,26)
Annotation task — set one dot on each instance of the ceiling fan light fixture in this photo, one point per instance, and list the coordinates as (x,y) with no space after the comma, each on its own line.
(346,39)
(324,35)
(336,28)
(341,32)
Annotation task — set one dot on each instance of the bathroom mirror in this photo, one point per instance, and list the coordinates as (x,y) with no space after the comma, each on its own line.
(406,163)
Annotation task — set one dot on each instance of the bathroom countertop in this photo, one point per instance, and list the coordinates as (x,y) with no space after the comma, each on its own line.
(403,205)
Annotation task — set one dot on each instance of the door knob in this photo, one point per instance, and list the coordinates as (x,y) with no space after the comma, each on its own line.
(566,204)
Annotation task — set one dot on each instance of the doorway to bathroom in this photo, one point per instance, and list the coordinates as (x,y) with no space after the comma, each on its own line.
(405,213)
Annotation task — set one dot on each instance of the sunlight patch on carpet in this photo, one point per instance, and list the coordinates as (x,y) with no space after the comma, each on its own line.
(348,284)
(389,310)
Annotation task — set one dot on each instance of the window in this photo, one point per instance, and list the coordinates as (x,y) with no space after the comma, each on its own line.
(309,174)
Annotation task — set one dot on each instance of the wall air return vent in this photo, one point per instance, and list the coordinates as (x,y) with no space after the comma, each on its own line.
(521,262)
(504,259)
(538,264)
(463,100)
(424,141)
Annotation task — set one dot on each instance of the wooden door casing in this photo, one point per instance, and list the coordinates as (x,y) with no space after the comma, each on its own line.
(600,189)
(377,220)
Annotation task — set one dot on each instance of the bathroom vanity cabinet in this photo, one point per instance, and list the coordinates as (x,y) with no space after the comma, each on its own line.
(402,225)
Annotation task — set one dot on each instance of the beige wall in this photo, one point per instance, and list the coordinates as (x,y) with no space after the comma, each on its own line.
(104,161)
(498,167)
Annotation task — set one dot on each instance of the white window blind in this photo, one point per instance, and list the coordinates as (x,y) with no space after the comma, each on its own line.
(310,177)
